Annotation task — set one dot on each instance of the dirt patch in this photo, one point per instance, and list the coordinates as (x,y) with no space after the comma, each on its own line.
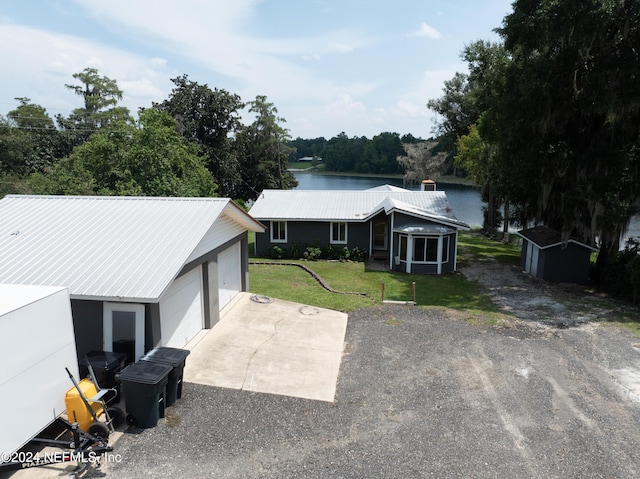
(520,295)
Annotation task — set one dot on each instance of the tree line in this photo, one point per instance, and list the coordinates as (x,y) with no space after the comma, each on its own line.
(358,154)
(191,144)
(547,121)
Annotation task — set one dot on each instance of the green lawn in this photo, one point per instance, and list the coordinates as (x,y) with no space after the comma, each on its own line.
(476,247)
(450,290)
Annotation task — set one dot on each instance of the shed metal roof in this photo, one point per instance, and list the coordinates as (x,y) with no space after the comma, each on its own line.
(111,248)
(545,237)
(352,205)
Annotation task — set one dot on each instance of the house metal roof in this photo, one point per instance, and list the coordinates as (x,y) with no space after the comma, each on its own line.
(350,205)
(110,248)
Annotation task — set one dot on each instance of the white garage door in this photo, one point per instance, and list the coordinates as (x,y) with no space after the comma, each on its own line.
(181,310)
(229,274)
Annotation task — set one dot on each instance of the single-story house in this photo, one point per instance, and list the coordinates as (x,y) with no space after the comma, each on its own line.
(413,231)
(545,256)
(141,272)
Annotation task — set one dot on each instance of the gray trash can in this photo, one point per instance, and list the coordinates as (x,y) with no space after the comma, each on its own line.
(143,386)
(176,358)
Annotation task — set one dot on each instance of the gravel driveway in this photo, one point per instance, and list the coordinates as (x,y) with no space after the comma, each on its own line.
(422,393)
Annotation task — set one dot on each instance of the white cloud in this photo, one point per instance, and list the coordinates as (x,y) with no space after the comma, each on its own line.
(344,106)
(159,62)
(340,47)
(426,30)
(49,60)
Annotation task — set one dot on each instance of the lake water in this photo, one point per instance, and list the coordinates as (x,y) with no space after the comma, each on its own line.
(465,200)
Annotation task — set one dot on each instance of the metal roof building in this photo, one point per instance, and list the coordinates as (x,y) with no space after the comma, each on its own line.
(351,205)
(411,231)
(105,247)
(150,271)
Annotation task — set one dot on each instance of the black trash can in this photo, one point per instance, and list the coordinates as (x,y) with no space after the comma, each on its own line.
(105,365)
(126,347)
(143,386)
(176,358)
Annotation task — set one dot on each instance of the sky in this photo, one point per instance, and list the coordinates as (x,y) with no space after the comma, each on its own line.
(362,67)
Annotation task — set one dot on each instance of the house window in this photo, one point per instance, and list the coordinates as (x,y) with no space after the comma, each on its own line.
(445,249)
(278,231)
(339,233)
(419,249)
(431,250)
(425,249)
(402,248)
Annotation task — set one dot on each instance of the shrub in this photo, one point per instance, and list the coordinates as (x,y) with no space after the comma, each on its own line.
(276,252)
(344,254)
(358,255)
(312,253)
(330,252)
(295,251)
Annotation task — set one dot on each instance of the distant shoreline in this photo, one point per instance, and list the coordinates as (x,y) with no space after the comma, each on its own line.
(317,170)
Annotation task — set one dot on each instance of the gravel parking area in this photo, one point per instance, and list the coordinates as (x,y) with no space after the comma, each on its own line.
(421,393)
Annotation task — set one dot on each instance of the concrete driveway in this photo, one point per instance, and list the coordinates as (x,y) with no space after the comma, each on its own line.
(271,346)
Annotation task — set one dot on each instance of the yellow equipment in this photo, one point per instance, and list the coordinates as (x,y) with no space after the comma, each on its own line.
(77,410)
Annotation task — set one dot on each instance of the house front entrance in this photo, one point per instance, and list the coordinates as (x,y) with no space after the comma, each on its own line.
(379,246)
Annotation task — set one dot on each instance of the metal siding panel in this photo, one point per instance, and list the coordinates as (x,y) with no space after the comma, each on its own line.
(229,274)
(181,315)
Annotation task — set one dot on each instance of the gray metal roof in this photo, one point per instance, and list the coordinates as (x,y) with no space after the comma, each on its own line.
(118,248)
(350,205)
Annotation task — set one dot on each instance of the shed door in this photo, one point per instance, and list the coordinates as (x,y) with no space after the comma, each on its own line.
(229,274)
(181,312)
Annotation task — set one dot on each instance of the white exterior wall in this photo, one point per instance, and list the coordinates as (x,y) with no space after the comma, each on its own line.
(223,230)
(229,274)
(181,314)
(37,342)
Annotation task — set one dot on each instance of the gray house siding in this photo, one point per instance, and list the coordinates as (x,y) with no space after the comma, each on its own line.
(311,233)
(569,265)
(400,220)
(576,264)
(87,325)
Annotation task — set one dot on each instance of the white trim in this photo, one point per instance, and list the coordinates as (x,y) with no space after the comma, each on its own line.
(391,256)
(271,230)
(439,253)
(455,256)
(107,325)
(440,249)
(346,232)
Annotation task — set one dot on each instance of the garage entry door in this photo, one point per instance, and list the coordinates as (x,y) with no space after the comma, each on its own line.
(229,274)
(181,310)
